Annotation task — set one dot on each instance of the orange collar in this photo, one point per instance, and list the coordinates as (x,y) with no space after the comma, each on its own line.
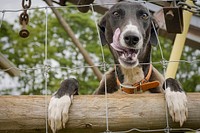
(141,86)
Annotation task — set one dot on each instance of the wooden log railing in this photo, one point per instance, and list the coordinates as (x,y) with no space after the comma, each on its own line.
(88,113)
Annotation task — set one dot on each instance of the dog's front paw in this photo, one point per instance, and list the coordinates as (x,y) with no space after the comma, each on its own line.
(177,105)
(58,112)
(60,103)
(176,100)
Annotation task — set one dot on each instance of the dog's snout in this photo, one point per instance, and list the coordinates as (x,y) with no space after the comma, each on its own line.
(131,36)
(131,40)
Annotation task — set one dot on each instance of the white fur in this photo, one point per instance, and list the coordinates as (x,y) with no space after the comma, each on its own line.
(58,112)
(134,29)
(177,105)
(132,75)
(129,66)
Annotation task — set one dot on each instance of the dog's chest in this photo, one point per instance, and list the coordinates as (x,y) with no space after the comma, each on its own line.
(132,75)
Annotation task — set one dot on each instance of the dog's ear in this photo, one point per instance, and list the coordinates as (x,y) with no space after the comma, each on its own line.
(154,31)
(102,29)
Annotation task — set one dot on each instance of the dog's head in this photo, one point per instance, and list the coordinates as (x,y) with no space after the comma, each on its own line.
(127,28)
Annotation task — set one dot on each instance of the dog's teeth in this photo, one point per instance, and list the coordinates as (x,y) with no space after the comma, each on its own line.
(123,56)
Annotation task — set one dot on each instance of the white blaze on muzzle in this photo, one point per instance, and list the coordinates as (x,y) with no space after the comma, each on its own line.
(131,30)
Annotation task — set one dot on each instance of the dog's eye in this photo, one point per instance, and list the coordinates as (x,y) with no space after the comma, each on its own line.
(116,14)
(145,16)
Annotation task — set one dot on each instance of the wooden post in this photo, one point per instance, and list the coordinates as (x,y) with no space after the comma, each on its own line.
(179,45)
(87,113)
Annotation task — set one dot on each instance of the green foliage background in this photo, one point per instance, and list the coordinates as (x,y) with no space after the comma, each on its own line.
(62,54)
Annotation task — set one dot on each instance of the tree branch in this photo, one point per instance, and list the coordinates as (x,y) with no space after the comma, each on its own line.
(76,42)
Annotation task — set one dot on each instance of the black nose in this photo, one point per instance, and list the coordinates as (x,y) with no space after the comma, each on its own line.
(131,40)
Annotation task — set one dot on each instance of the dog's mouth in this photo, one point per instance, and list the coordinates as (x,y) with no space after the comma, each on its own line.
(127,56)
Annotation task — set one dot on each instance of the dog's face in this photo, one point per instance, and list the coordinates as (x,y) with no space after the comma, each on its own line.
(126,27)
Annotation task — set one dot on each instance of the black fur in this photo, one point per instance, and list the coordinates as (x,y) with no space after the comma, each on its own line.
(173,84)
(108,24)
(67,87)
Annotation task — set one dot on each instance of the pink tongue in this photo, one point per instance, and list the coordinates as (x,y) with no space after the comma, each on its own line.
(115,44)
(129,53)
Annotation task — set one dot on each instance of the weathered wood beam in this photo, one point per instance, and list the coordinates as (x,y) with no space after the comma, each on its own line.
(88,113)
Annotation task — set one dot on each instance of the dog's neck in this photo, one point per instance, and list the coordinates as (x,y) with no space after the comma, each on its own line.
(132,75)
(146,58)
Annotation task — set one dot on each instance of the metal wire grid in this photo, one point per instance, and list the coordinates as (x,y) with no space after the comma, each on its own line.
(46,67)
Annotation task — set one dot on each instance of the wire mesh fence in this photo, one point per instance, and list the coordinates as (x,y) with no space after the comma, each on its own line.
(46,66)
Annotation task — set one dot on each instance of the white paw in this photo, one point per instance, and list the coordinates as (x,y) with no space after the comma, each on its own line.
(58,112)
(177,105)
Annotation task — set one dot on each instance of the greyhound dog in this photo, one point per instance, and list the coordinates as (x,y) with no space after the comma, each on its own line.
(129,30)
